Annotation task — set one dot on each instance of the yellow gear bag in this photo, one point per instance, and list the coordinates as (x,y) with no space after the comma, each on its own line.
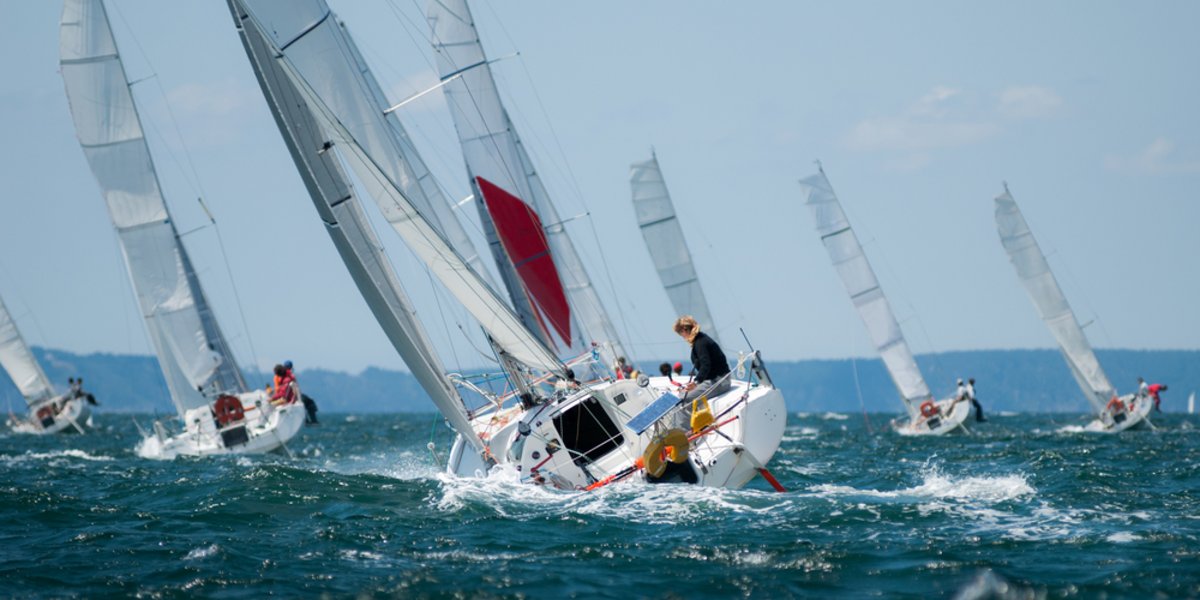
(701,417)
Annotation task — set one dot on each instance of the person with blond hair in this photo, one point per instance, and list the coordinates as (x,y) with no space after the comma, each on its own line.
(709,366)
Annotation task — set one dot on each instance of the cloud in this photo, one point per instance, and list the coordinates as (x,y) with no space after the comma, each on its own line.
(1159,158)
(937,119)
(1028,102)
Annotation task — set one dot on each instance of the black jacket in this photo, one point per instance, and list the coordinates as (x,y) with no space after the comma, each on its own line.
(707,358)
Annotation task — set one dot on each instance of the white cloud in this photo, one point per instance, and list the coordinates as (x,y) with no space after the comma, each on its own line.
(1028,102)
(1159,158)
(936,120)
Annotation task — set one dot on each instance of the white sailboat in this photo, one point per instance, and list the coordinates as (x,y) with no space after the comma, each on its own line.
(1113,413)
(666,243)
(926,415)
(1192,403)
(219,413)
(574,437)
(48,412)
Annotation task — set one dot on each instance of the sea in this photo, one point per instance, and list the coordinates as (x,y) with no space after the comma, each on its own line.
(1028,506)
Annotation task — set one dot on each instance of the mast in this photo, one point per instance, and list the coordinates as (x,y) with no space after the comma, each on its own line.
(191,349)
(1043,289)
(18,361)
(666,243)
(316,137)
(494,153)
(863,287)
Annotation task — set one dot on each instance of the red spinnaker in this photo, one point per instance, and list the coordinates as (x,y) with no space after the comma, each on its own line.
(524,240)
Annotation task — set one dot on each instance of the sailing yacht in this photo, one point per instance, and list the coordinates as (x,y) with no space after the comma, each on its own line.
(666,243)
(219,413)
(1113,413)
(926,415)
(550,427)
(49,412)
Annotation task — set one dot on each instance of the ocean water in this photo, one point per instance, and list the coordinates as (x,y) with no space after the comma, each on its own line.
(1027,507)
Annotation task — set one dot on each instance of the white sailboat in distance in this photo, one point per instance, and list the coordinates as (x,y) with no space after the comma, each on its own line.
(551,429)
(926,415)
(48,412)
(666,243)
(1113,414)
(219,413)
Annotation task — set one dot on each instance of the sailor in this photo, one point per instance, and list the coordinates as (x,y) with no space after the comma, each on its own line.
(621,368)
(567,382)
(1143,389)
(1153,389)
(76,388)
(708,361)
(971,396)
(678,368)
(285,392)
(961,393)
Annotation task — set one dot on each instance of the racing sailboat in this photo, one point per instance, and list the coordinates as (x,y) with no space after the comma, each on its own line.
(666,243)
(926,415)
(219,413)
(49,412)
(1113,413)
(574,435)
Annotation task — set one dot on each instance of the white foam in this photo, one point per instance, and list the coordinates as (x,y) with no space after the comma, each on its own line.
(57,454)
(936,485)
(1121,537)
(199,553)
(831,416)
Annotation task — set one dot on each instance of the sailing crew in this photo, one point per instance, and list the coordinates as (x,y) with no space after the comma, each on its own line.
(285,391)
(567,382)
(678,368)
(971,396)
(961,393)
(1153,389)
(708,361)
(76,388)
(621,368)
(1143,389)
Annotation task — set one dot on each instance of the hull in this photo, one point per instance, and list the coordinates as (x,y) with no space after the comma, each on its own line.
(584,439)
(950,418)
(1131,412)
(59,416)
(265,428)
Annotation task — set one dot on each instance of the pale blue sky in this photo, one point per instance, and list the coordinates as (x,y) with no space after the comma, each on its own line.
(918,111)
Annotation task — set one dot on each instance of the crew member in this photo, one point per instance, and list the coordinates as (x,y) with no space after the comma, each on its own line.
(708,361)
(1153,389)
(971,396)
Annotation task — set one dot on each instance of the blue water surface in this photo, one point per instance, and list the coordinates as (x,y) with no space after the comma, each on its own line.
(1027,506)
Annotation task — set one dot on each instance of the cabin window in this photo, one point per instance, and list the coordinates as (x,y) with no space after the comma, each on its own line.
(587,431)
(619,399)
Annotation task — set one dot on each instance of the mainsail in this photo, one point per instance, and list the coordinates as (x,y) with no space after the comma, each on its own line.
(17,359)
(852,266)
(666,242)
(1039,282)
(191,349)
(312,130)
(494,153)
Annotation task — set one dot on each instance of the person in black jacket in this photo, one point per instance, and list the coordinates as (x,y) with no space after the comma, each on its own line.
(710,368)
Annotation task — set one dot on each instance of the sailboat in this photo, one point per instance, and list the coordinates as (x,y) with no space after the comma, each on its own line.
(926,415)
(574,435)
(1113,413)
(1191,403)
(219,413)
(49,412)
(666,243)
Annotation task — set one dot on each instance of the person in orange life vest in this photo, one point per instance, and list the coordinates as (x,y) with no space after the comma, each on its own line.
(285,392)
(1153,389)
(677,368)
(621,368)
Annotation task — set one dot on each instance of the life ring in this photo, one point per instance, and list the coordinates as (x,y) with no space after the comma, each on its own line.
(928,409)
(228,409)
(672,445)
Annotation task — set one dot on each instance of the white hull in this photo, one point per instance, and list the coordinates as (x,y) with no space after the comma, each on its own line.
(74,416)
(267,428)
(748,435)
(951,417)
(1136,415)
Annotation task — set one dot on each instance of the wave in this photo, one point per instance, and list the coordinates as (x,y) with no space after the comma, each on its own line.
(58,454)
(936,485)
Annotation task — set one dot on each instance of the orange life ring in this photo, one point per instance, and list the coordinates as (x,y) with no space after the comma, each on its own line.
(928,409)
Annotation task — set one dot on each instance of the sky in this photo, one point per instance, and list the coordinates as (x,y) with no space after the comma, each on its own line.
(918,112)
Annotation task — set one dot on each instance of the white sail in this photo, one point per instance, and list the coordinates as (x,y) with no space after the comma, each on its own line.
(494,152)
(418,234)
(1191,403)
(191,349)
(852,266)
(666,242)
(18,361)
(1039,282)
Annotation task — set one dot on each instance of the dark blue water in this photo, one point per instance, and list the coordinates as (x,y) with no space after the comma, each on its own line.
(1026,506)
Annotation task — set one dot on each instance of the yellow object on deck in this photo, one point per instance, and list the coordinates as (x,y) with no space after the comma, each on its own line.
(701,417)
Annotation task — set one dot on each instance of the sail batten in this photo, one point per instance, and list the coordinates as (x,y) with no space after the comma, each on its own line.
(666,242)
(846,254)
(1038,280)
(17,359)
(192,351)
